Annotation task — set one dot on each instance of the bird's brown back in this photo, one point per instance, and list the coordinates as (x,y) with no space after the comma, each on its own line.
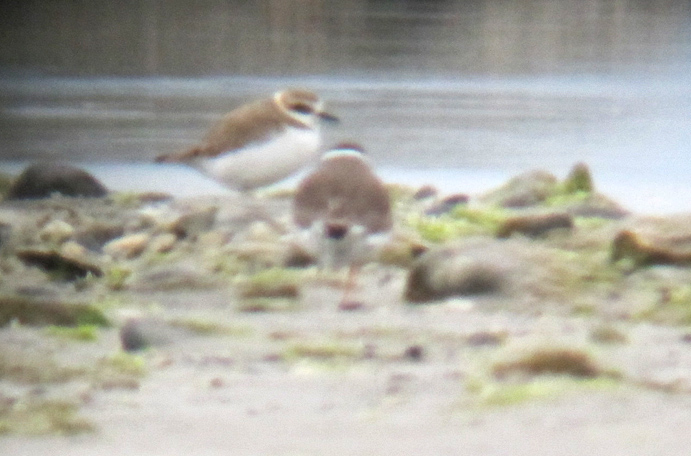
(343,190)
(251,123)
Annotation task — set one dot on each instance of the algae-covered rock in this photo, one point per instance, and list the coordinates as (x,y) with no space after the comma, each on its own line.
(447,204)
(38,416)
(425,192)
(549,361)
(575,194)
(535,225)
(41,312)
(579,179)
(641,252)
(528,189)
(271,283)
(453,271)
(44,180)
(58,264)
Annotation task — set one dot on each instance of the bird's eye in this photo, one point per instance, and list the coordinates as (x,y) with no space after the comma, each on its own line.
(302,108)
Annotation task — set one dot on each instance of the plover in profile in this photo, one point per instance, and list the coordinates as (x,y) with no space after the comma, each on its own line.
(346,209)
(260,143)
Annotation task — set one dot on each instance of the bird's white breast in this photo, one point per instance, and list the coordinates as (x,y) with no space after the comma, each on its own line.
(263,163)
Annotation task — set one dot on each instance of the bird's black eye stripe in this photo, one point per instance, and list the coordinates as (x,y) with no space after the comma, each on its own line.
(301,108)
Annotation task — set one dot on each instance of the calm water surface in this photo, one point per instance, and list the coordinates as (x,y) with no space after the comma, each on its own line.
(462,94)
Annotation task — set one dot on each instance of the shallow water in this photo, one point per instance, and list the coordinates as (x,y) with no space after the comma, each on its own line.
(461,94)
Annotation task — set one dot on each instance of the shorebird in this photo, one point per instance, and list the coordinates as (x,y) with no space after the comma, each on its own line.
(345,208)
(260,143)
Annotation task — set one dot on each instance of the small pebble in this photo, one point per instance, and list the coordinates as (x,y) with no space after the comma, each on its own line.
(127,246)
(414,353)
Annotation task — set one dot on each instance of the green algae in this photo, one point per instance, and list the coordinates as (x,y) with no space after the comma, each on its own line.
(20,366)
(271,283)
(673,306)
(323,350)
(40,312)
(208,327)
(33,416)
(116,277)
(461,222)
(502,394)
(84,333)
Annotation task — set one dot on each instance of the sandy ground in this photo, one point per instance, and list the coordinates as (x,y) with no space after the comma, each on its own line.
(384,378)
(240,394)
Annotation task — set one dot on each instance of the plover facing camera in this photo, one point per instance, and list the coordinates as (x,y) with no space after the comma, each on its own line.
(260,143)
(346,208)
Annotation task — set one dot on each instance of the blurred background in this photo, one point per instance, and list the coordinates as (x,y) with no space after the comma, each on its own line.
(462,90)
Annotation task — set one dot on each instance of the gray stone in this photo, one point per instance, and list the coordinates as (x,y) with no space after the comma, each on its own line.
(44,180)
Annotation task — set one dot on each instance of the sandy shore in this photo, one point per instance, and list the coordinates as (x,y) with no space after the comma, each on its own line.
(229,371)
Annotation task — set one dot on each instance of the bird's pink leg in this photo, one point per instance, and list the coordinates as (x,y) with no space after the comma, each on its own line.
(351,281)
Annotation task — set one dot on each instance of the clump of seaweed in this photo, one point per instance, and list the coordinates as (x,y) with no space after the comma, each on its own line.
(550,361)
(33,416)
(629,246)
(503,394)
(39,312)
(271,283)
(121,370)
(460,222)
(210,327)
(323,350)
(33,367)
(84,333)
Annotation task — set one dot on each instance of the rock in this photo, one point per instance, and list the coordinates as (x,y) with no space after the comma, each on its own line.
(550,361)
(56,232)
(535,225)
(646,252)
(194,222)
(453,271)
(43,180)
(595,205)
(298,257)
(579,179)
(172,277)
(95,235)
(40,312)
(447,204)
(132,337)
(414,353)
(425,192)
(128,246)
(163,243)
(62,266)
(527,189)
(71,249)
(400,251)
(139,333)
